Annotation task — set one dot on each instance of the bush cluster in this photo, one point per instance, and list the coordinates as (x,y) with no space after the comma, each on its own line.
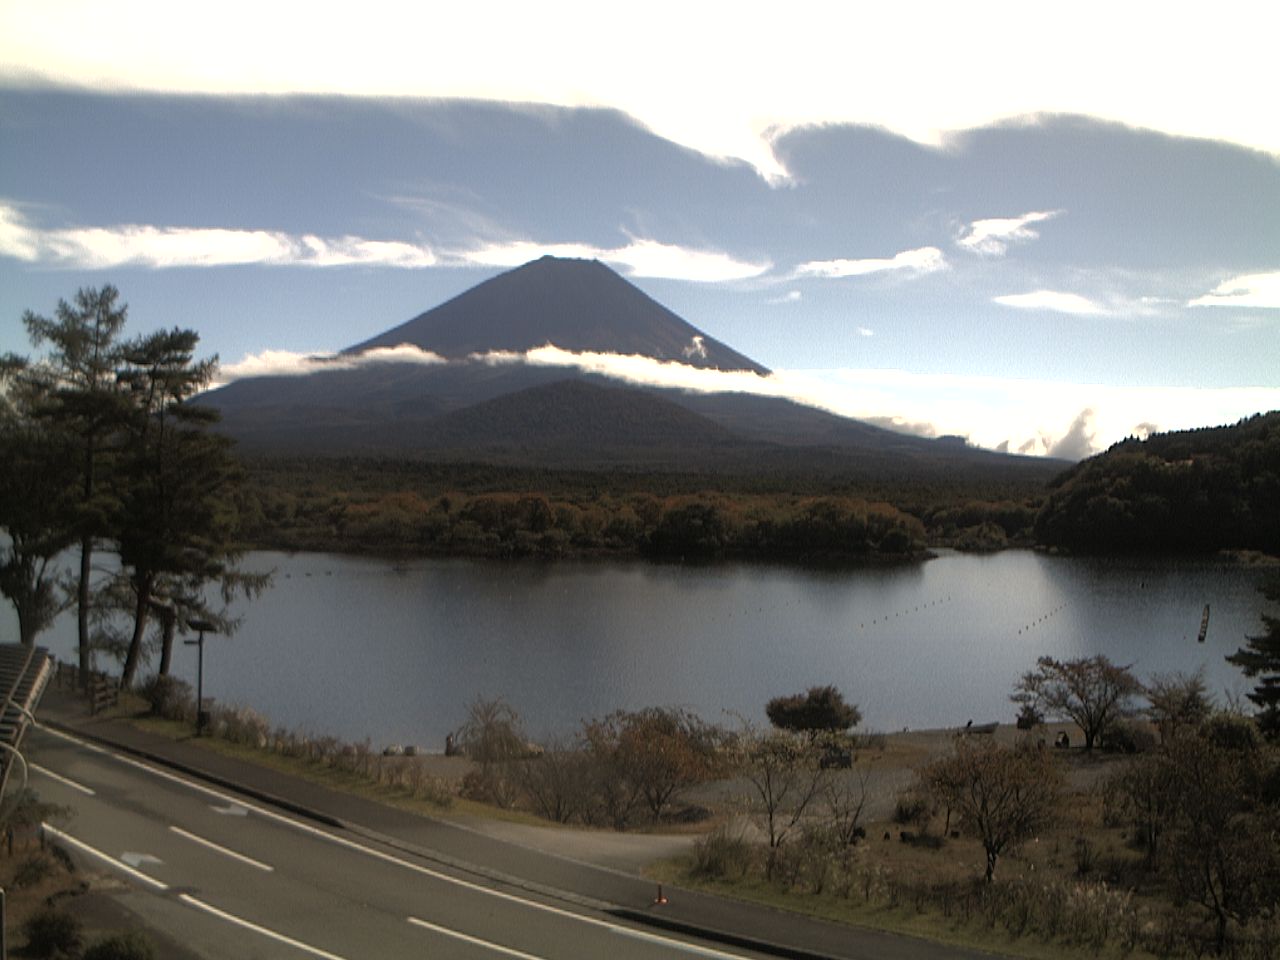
(173,699)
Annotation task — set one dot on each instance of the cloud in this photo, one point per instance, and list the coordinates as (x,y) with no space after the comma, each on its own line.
(1249,290)
(919,261)
(867,65)
(639,258)
(154,247)
(866,332)
(1077,443)
(1144,430)
(995,413)
(283,363)
(96,248)
(791,296)
(992,238)
(1053,300)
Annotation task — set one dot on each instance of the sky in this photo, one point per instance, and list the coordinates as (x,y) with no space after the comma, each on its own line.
(1044,227)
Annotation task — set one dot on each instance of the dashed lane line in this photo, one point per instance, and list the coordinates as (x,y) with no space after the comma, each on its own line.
(683,946)
(66,781)
(226,852)
(118,864)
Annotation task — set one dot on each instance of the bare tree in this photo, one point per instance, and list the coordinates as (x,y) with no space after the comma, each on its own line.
(1221,841)
(1092,691)
(1002,795)
(1178,701)
(557,782)
(493,738)
(846,797)
(1144,791)
(786,774)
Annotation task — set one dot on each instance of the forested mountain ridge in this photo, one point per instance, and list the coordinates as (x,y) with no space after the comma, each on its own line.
(1188,491)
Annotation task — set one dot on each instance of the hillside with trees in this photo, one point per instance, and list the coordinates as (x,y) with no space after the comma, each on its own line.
(1190,491)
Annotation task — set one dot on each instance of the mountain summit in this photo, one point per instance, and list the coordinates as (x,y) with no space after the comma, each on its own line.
(577,305)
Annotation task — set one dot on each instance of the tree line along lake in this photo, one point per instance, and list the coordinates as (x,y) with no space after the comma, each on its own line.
(364,648)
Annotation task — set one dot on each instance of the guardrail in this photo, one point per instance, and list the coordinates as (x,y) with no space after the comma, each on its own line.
(24,672)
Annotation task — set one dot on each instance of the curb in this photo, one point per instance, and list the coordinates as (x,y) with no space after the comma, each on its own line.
(717,936)
(615,910)
(262,796)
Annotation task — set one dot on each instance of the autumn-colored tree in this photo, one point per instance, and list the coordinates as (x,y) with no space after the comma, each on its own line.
(1003,795)
(651,756)
(1092,691)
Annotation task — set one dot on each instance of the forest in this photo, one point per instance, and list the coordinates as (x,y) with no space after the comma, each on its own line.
(405,508)
(1191,491)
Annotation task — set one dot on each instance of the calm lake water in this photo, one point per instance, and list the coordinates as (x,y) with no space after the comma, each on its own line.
(394,652)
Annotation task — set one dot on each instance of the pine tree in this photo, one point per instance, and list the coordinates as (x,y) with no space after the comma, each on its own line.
(37,502)
(85,405)
(174,531)
(1260,657)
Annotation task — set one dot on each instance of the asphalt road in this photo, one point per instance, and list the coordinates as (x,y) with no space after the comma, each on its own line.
(232,878)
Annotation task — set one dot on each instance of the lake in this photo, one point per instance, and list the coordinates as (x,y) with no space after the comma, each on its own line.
(394,652)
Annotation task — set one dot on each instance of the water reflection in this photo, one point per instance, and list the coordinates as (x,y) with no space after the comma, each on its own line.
(394,652)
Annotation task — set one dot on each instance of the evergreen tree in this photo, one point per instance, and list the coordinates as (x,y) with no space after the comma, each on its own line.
(174,531)
(1260,657)
(85,405)
(36,502)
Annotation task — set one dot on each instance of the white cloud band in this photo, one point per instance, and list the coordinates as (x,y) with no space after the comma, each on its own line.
(993,237)
(919,261)
(639,258)
(1052,300)
(851,70)
(1033,417)
(155,247)
(1249,290)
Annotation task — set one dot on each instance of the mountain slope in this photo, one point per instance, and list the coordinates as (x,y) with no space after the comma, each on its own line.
(516,412)
(578,305)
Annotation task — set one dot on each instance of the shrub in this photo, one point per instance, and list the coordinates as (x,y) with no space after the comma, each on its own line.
(122,946)
(51,932)
(168,697)
(722,853)
(32,870)
(912,807)
(1126,736)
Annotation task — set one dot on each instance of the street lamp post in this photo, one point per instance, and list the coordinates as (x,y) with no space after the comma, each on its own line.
(201,627)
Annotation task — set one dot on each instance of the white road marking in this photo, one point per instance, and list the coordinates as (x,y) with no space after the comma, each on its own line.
(106,857)
(256,928)
(63,780)
(476,941)
(265,867)
(668,942)
(136,860)
(230,810)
